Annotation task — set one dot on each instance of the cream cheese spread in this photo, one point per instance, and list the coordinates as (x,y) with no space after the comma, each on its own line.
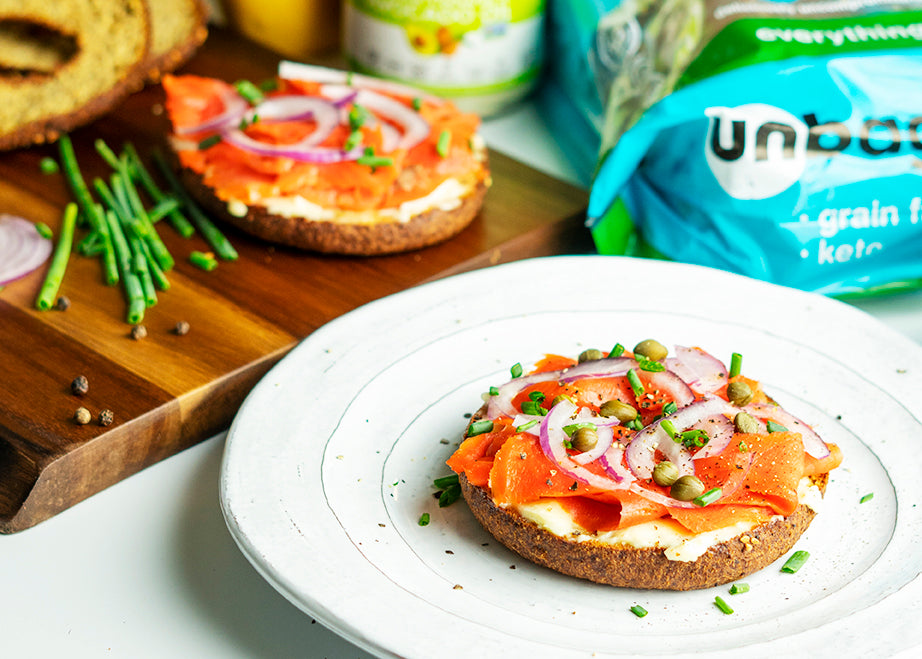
(679,543)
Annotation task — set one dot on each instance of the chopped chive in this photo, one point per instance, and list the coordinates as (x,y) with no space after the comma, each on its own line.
(446,481)
(667,425)
(649,365)
(479,427)
(723,606)
(494,391)
(44,230)
(424,519)
(635,424)
(634,381)
(107,154)
(516,370)
(694,438)
(742,446)
(528,424)
(354,140)
(417,103)
(268,85)
(736,363)
(771,426)
(358,115)
(373,161)
(796,561)
(449,495)
(708,497)
(444,143)
(533,407)
(617,351)
(739,588)
(209,142)
(130,282)
(866,497)
(206,227)
(49,165)
(536,396)
(163,208)
(250,92)
(638,611)
(203,260)
(140,173)
(670,408)
(55,275)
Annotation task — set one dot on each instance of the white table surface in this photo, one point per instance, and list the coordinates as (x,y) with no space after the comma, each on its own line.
(147,568)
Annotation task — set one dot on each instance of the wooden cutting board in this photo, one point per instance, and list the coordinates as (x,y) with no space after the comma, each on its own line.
(167,391)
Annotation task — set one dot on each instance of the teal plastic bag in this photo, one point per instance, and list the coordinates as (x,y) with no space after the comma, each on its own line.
(785,145)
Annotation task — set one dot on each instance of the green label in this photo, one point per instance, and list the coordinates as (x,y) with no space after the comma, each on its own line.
(461,13)
(751,41)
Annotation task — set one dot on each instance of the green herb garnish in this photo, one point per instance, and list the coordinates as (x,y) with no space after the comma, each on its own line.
(49,165)
(44,230)
(444,143)
(49,290)
(866,497)
(736,363)
(204,261)
(533,407)
(739,588)
(494,391)
(668,426)
(536,396)
(670,408)
(353,141)
(424,519)
(649,365)
(617,351)
(708,497)
(638,611)
(573,427)
(516,370)
(417,103)
(209,142)
(269,85)
(250,92)
(358,115)
(693,438)
(634,381)
(796,561)
(446,481)
(449,495)
(528,424)
(479,427)
(371,160)
(771,426)
(723,606)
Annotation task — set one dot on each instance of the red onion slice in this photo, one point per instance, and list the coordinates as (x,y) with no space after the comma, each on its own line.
(501,403)
(310,73)
(813,443)
(612,461)
(641,452)
(235,107)
(598,368)
(22,248)
(415,128)
(552,438)
(703,372)
(300,152)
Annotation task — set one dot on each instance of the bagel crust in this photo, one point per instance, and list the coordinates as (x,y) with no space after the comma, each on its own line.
(629,567)
(385,236)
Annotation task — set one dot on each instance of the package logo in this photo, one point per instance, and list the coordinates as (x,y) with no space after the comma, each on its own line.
(755,151)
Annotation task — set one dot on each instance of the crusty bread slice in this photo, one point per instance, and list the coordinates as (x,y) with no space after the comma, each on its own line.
(367,233)
(629,567)
(178,28)
(111,39)
(63,64)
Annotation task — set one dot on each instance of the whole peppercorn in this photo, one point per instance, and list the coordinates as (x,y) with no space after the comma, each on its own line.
(62,303)
(106,417)
(182,328)
(138,332)
(80,386)
(82,416)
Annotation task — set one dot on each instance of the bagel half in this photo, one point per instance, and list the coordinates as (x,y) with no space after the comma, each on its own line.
(630,567)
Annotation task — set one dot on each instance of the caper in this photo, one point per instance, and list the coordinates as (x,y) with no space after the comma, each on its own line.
(745,423)
(584,439)
(739,393)
(665,473)
(559,398)
(687,488)
(618,409)
(590,355)
(651,349)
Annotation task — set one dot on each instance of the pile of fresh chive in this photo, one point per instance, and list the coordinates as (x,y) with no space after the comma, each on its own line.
(122,229)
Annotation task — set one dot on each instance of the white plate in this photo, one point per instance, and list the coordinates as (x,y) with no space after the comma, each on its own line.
(329,465)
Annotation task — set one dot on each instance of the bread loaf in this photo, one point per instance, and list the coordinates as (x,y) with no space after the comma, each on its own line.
(63,64)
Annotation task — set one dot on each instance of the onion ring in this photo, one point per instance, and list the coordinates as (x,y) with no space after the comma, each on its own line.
(22,248)
(813,443)
(235,107)
(703,372)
